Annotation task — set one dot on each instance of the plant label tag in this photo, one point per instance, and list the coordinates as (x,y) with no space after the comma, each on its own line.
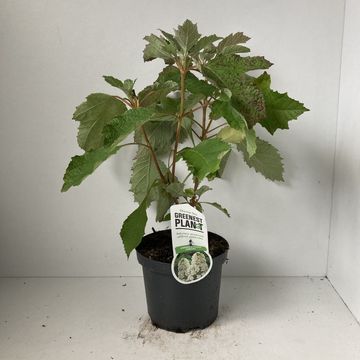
(192,260)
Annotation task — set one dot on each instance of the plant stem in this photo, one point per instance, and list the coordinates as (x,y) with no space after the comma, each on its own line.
(124,101)
(153,155)
(216,127)
(199,137)
(135,143)
(180,118)
(204,128)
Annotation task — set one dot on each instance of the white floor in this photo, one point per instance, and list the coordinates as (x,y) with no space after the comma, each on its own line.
(105,318)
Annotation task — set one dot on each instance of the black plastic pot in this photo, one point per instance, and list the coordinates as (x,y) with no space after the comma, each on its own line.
(177,307)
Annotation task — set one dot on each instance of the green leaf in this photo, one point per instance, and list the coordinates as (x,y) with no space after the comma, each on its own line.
(231,41)
(144,174)
(187,35)
(127,86)
(133,228)
(175,189)
(229,71)
(235,49)
(217,206)
(231,135)
(224,108)
(223,164)
(192,83)
(163,203)
(280,108)
(158,47)
(156,92)
(249,101)
(206,42)
(202,190)
(97,111)
(121,126)
(204,159)
(161,135)
(226,70)
(82,166)
(250,138)
(266,160)
(192,100)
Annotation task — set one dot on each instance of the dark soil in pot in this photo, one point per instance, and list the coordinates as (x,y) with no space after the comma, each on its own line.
(171,305)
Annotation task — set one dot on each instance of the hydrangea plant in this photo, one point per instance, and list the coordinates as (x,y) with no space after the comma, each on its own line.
(203,105)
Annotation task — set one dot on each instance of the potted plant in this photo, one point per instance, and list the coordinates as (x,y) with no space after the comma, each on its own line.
(203,105)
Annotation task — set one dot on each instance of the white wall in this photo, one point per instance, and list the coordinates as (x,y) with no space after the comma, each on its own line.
(53,54)
(344,254)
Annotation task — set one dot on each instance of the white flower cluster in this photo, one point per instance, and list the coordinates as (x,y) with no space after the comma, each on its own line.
(191,271)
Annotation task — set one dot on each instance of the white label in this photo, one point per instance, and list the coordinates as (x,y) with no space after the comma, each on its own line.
(192,260)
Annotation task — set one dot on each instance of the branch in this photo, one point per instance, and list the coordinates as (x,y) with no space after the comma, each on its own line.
(153,155)
(180,117)
(199,137)
(216,127)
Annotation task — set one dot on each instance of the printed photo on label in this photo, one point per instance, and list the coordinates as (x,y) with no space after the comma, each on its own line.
(190,266)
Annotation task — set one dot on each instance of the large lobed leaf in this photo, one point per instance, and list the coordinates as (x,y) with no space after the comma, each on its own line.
(187,35)
(204,159)
(280,108)
(97,111)
(81,166)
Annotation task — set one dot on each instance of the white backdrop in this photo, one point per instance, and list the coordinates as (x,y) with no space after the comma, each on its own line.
(53,54)
(344,254)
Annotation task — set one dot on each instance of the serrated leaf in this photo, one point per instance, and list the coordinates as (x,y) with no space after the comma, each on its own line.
(232,40)
(280,108)
(228,69)
(235,49)
(205,42)
(121,126)
(156,92)
(133,228)
(144,174)
(217,206)
(249,101)
(204,159)
(266,160)
(96,112)
(127,86)
(187,35)
(82,166)
(161,134)
(158,47)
